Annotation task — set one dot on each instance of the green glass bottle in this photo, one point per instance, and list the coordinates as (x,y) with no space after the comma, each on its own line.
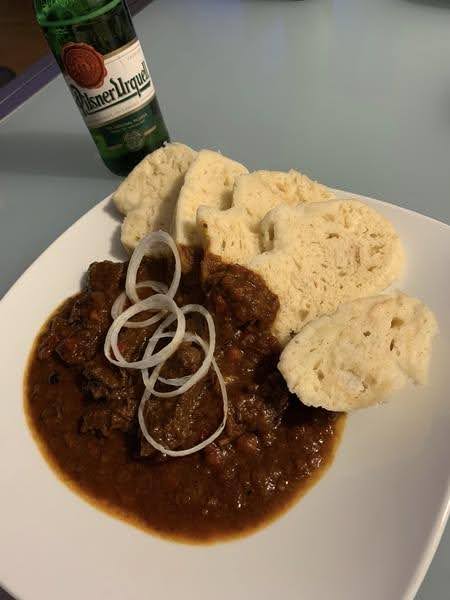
(95,44)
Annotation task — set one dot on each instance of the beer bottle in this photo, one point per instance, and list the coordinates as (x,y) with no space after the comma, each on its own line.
(96,47)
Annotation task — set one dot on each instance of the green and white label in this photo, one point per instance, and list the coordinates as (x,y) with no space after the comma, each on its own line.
(126,88)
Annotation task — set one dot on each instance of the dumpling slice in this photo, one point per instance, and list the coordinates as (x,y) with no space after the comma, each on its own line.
(358,356)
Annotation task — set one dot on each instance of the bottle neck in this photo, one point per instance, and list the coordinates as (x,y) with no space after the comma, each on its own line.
(81,18)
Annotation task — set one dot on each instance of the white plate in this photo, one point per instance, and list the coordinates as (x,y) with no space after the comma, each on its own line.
(367,530)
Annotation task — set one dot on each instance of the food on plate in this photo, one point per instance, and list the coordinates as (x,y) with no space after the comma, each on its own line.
(320,255)
(258,192)
(156,179)
(135,226)
(148,195)
(85,409)
(235,232)
(365,351)
(314,257)
(227,234)
(199,388)
(208,182)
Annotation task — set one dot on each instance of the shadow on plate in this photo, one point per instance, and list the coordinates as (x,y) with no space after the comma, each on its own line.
(60,154)
(115,248)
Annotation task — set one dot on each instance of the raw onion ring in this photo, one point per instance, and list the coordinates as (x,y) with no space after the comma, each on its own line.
(157,301)
(119,303)
(148,393)
(186,382)
(136,258)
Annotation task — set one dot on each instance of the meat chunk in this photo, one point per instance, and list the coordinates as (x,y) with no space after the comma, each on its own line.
(186,361)
(132,342)
(78,347)
(84,329)
(78,334)
(107,277)
(59,328)
(185,420)
(119,413)
(240,297)
(101,379)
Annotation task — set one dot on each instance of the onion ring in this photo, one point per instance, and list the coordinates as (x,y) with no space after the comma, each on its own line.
(148,393)
(162,303)
(136,258)
(119,302)
(157,301)
(186,382)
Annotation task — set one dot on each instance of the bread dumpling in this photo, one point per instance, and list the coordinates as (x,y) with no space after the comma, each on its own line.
(317,256)
(208,182)
(258,192)
(227,234)
(148,195)
(233,234)
(359,355)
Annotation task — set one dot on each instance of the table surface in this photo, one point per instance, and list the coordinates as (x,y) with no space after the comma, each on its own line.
(353,92)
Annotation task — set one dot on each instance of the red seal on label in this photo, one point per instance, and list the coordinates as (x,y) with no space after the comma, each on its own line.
(84,64)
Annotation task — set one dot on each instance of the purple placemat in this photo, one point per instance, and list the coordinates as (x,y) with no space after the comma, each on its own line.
(14,93)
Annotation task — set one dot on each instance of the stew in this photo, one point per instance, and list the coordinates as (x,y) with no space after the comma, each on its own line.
(83,410)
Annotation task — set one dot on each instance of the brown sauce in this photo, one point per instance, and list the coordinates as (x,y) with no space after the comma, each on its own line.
(82,411)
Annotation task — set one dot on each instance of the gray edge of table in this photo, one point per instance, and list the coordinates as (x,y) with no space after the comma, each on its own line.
(354,92)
